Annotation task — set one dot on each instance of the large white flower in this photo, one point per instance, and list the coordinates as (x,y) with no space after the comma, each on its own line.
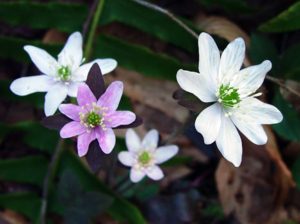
(143,156)
(233,91)
(59,78)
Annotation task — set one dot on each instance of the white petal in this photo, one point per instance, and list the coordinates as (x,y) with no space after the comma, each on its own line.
(196,84)
(155,173)
(133,142)
(106,66)
(229,142)
(256,76)
(73,89)
(71,54)
(262,113)
(27,85)
(42,60)
(254,132)
(136,175)
(54,98)
(126,158)
(232,59)
(209,59)
(151,139)
(165,153)
(208,123)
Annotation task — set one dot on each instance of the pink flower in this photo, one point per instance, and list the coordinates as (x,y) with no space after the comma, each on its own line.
(143,156)
(94,119)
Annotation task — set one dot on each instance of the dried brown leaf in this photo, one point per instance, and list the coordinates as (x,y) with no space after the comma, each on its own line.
(223,28)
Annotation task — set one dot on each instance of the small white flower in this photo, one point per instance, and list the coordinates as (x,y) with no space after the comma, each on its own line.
(59,78)
(233,91)
(143,156)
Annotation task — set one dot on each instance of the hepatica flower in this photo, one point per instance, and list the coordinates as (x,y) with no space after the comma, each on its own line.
(94,119)
(59,77)
(143,156)
(233,90)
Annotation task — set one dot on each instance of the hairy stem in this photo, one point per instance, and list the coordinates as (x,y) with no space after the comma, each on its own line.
(96,18)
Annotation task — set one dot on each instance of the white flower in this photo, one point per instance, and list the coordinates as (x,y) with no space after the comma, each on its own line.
(59,78)
(143,156)
(221,81)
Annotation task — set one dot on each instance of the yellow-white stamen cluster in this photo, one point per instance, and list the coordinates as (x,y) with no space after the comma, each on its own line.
(64,73)
(231,97)
(94,117)
(146,158)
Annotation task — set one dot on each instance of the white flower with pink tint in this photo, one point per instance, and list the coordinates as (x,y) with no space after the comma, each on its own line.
(143,156)
(94,119)
(59,77)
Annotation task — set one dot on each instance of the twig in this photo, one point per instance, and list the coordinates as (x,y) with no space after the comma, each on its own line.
(181,128)
(280,82)
(89,18)
(97,15)
(180,23)
(46,182)
(166,12)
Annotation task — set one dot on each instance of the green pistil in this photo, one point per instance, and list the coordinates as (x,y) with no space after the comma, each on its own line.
(228,96)
(144,158)
(93,119)
(64,73)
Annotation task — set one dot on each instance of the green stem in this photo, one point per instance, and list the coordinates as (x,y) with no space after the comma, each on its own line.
(181,128)
(96,18)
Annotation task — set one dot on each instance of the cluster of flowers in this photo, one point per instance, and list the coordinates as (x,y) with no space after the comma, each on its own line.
(219,80)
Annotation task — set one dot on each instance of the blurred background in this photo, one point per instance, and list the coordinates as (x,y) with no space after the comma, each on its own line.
(42,180)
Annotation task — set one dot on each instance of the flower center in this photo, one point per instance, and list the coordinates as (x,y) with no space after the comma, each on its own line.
(144,158)
(94,117)
(64,73)
(228,96)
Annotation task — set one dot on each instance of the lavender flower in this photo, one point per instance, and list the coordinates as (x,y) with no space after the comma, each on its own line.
(143,156)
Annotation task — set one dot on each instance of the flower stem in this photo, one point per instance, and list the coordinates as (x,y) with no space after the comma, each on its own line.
(191,119)
(46,182)
(91,35)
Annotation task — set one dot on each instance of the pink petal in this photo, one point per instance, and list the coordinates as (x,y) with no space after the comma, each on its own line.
(71,129)
(119,118)
(84,141)
(106,139)
(72,111)
(155,173)
(85,95)
(112,96)
(165,153)
(136,175)
(133,141)
(126,158)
